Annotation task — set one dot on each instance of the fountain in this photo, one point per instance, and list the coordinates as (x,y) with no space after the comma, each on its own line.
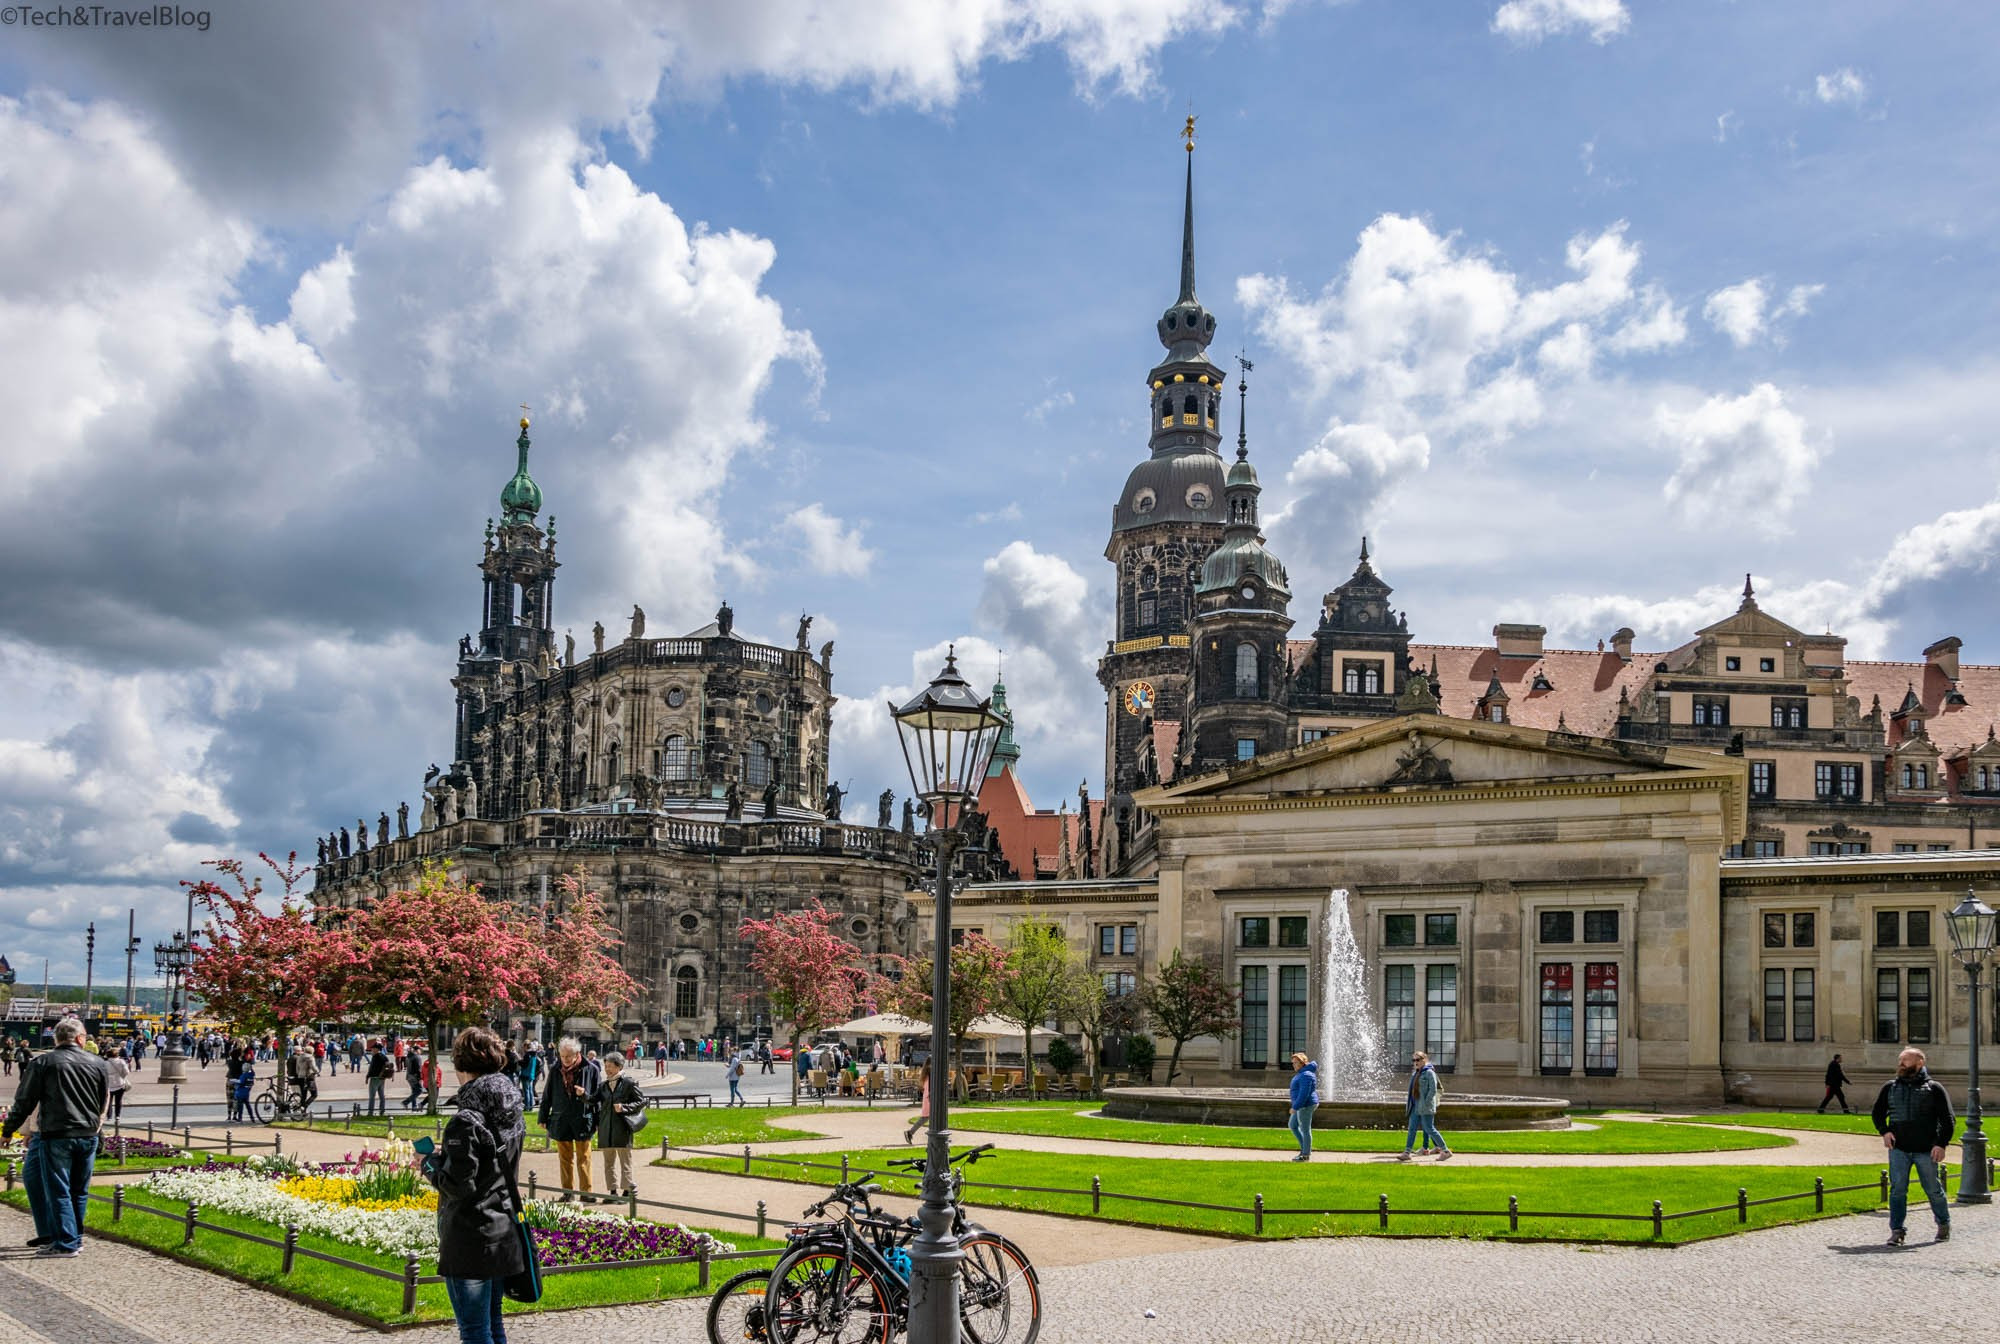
(1357,1087)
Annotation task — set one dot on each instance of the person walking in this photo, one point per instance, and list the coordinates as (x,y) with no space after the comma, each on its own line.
(413,1071)
(568,1116)
(618,1101)
(923,1116)
(1423,1105)
(1913,1115)
(1305,1100)
(1836,1079)
(379,1070)
(766,1062)
(118,1075)
(66,1090)
(474,1170)
(660,1059)
(246,1080)
(531,1072)
(733,1072)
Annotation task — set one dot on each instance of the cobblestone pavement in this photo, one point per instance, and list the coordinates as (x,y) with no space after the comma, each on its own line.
(1827,1281)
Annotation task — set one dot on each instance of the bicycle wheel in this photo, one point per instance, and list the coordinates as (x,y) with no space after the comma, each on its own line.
(818,1296)
(999,1297)
(736,1312)
(260,1108)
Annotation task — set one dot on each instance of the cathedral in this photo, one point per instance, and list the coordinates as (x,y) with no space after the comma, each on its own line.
(682,776)
(1604,873)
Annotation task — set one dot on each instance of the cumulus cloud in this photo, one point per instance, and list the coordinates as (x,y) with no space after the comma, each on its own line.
(1745,314)
(1529,21)
(1742,459)
(829,545)
(1841,86)
(1333,487)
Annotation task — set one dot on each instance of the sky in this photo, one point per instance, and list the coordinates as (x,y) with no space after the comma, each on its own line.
(1578,309)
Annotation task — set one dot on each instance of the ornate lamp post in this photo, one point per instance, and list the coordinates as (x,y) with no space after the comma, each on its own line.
(1973,927)
(948,734)
(172,958)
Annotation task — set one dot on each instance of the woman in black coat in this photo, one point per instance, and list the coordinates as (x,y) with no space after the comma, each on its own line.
(473,1170)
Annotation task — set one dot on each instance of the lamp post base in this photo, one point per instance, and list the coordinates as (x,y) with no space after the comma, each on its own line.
(173,1066)
(1972,1186)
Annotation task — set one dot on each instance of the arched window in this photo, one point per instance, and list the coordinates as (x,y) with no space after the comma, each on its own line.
(1246,669)
(757,766)
(1371,679)
(1191,405)
(687,992)
(611,764)
(1167,409)
(676,763)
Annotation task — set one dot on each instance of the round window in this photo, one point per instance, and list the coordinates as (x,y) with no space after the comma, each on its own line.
(676,697)
(763,704)
(1144,501)
(1197,496)
(1249,591)
(690,922)
(859,928)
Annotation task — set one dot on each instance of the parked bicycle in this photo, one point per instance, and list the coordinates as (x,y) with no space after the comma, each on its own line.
(847,1280)
(279,1101)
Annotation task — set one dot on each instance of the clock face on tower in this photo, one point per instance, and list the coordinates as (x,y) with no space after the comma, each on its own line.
(1139,698)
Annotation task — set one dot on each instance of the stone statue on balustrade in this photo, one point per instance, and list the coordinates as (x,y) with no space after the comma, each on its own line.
(638,621)
(569,649)
(428,819)
(597,636)
(322,850)
(344,842)
(826,655)
(805,628)
(732,802)
(834,793)
(909,817)
(471,797)
(448,805)
(534,793)
(883,806)
(382,830)
(771,801)
(403,820)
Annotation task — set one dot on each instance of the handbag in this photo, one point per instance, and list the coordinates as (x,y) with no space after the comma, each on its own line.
(525,1285)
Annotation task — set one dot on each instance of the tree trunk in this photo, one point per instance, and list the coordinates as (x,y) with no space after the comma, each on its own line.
(1028,1059)
(433,1073)
(961,1092)
(1174,1061)
(795,1068)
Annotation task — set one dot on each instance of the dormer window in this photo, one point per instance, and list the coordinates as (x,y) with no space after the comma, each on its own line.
(1198,497)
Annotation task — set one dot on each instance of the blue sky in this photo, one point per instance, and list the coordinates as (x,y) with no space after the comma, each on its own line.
(1579,308)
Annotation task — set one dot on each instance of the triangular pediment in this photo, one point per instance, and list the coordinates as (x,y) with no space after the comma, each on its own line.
(1434,753)
(1752,623)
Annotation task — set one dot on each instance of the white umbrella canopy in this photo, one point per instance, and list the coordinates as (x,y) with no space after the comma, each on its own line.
(881,1024)
(991,1027)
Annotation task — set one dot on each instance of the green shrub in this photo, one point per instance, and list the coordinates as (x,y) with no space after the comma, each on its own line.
(1063,1057)
(1140,1054)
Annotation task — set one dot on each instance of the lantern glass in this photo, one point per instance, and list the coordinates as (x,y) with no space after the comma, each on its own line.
(1973,925)
(948,733)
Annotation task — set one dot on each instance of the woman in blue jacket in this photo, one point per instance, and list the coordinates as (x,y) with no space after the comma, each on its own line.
(1305,1100)
(1423,1109)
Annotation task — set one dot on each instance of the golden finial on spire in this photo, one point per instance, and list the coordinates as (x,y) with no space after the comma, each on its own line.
(524,417)
(1187,133)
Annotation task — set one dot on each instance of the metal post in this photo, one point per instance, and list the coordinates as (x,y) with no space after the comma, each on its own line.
(934,1253)
(762,1214)
(1972,1183)
(1382,1211)
(410,1271)
(1659,1223)
(174,1115)
(188,1224)
(1096,1194)
(291,1248)
(1819,1194)
(117,1202)
(1742,1205)
(89,965)
(1257,1208)
(1513,1213)
(131,947)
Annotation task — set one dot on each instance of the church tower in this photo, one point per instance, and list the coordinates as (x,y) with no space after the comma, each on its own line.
(1165,523)
(517,616)
(1239,698)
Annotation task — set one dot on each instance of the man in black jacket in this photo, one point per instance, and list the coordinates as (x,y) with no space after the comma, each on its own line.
(1836,1078)
(380,1067)
(1913,1116)
(69,1087)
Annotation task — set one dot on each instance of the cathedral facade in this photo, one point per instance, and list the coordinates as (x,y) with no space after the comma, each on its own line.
(685,777)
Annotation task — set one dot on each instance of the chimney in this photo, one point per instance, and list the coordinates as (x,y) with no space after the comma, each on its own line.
(1621,643)
(1943,656)
(1519,641)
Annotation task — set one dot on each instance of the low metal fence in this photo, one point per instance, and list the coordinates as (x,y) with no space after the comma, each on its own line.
(1382,1211)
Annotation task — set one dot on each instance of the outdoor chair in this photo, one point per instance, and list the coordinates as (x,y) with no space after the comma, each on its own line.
(818,1077)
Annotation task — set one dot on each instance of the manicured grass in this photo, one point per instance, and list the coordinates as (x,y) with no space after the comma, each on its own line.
(1607,1136)
(111,1166)
(691,1125)
(1357,1186)
(377,1300)
(1826,1124)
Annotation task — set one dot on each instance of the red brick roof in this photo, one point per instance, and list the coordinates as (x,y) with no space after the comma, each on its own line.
(1031,839)
(1953,729)
(1585,684)
(1166,744)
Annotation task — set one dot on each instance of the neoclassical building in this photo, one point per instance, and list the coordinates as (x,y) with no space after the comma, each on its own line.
(1606,873)
(685,777)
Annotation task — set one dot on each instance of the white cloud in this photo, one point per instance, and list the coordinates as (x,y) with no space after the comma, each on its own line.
(1529,21)
(1658,324)
(1841,86)
(1332,487)
(1055,401)
(1745,314)
(1744,459)
(1798,300)
(1725,126)
(830,546)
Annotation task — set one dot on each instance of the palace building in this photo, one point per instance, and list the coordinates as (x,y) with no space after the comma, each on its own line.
(1602,873)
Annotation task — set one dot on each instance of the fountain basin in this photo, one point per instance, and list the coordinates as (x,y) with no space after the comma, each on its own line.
(1271,1108)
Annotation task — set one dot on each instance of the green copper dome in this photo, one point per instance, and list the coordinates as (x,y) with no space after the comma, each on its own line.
(522,499)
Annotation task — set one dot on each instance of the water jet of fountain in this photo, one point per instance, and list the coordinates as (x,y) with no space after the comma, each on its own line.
(1350,1039)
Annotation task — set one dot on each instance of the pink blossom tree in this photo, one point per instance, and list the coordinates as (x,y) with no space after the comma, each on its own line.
(576,973)
(978,969)
(812,976)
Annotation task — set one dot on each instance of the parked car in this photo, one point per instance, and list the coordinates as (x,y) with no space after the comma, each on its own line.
(783,1052)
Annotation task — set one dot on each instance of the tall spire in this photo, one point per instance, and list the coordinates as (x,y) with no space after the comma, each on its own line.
(521,499)
(1187,221)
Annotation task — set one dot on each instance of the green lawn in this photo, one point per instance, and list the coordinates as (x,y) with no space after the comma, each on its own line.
(376,1300)
(1357,1186)
(1827,1124)
(1608,1136)
(691,1125)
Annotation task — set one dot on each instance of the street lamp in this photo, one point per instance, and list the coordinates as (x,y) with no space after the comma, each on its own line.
(1973,925)
(173,958)
(948,734)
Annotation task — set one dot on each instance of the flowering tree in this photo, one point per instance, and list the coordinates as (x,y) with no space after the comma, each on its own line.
(812,976)
(1099,1013)
(977,967)
(1189,999)
(442,953)
(575,971)
(264,971)
(1035,982)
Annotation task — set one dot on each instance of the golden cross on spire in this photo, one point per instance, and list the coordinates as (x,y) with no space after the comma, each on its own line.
(524,415)
(1187,132)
